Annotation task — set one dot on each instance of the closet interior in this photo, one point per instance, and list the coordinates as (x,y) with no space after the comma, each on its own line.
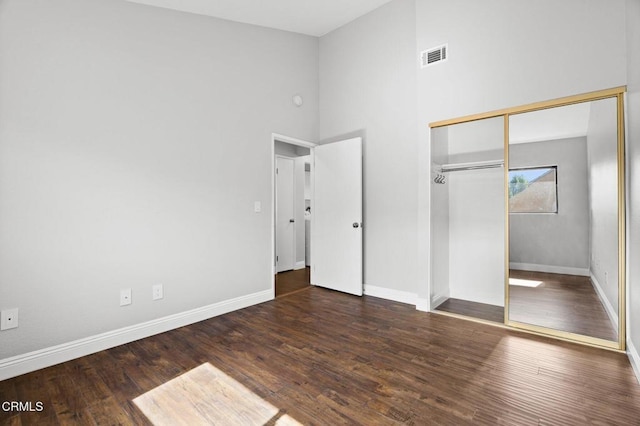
(467,219)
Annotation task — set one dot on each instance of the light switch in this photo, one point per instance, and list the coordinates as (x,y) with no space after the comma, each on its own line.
(257,206)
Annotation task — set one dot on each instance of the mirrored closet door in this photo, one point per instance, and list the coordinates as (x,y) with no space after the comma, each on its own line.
(527,218)
(564,220)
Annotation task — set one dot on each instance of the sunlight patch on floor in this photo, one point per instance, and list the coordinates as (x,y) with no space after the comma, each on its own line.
(208,396)
(524,283)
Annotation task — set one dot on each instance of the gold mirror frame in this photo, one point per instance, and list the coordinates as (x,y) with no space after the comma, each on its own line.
(618,94)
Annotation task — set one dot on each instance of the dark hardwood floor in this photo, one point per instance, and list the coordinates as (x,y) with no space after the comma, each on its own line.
(561,302)
(291,281)
(326,358)
(473,309)
(557,301)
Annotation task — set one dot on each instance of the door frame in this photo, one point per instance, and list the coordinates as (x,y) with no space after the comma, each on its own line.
(292,141)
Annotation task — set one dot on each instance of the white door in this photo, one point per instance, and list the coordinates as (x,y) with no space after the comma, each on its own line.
(336,226)
(285,218)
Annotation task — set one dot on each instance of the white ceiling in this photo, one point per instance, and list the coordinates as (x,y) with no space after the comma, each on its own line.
(312,17)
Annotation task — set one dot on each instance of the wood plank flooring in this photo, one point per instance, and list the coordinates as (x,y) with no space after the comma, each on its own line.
(326,358)
(482,311)
(561,302)
(291,281)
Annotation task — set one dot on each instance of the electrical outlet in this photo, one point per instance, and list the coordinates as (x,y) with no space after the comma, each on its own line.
(9,319)
(125,297)
(157,292)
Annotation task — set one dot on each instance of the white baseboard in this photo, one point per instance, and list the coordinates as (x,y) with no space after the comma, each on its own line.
(299,265)
(390,294)
(634,358)
(423,304)
(439,299)
(551,269)
(613,316)
(25,363)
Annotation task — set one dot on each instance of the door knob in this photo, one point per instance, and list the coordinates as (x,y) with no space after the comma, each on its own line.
(292,220)
(356,224)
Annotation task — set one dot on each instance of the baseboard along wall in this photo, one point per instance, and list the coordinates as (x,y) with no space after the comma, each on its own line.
(551,269)
(608,307)
(390,294)
(25,363)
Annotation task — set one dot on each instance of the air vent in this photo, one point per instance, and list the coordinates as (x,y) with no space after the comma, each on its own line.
(433,56)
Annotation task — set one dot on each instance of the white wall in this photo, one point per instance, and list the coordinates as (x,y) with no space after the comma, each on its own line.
(367,87)
(603,197)
(558,242)
(633,159)
(506,53)
(133,144)
(476,213)
(476,239)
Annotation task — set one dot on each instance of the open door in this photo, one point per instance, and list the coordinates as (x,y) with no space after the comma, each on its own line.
(336,232)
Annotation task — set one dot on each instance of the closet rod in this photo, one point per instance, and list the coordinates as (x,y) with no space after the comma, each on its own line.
(476,165)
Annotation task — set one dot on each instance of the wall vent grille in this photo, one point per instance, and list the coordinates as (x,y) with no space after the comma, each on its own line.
(433,56)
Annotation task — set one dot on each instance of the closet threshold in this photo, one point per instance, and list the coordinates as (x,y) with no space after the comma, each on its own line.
(472,319)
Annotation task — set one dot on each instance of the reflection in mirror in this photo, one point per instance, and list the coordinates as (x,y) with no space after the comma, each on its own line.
(563,219)
(467,219)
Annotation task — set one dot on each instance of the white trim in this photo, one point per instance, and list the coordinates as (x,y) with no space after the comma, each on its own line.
(613,315)
(632,352)
(390,294)
(25,363)
(439,299)
(423,305)
(292,141)
(551,269)
(299,265)
(634,358)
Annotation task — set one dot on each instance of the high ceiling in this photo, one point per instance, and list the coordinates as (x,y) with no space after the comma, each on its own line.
(312,17)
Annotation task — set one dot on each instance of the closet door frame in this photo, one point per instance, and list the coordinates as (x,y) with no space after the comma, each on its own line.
(618,93)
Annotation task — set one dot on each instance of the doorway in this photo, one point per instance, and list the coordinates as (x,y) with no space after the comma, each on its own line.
(292,214)
(335,213)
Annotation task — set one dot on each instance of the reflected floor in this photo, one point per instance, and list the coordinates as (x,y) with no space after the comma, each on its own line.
(292,281)
(561,302)
(477,310)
